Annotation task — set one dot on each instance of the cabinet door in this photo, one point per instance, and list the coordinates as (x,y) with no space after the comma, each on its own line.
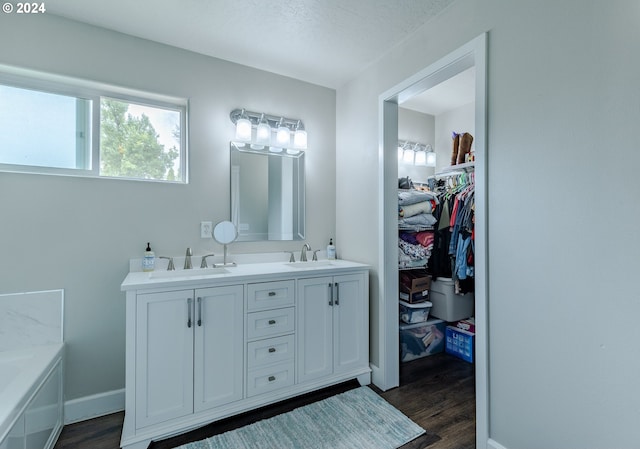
(315,328)
(164,359)
(218,346)
(350,323)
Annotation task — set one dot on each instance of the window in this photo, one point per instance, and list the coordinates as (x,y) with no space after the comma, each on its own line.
(84,129)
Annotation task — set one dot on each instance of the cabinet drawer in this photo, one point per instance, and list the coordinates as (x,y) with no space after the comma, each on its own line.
(270,323)
(271,350)
(267,295)
(270,378)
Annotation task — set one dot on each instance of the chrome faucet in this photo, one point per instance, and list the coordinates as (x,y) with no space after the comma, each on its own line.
(303,254)
(187,259)
(203,262)
(170,267)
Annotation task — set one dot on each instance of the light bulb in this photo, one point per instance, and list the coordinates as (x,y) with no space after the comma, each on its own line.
(421,158)
(431,159)
(300,137)
(263,132)
(275,149)
(408,156)
(283,135)
(243,130)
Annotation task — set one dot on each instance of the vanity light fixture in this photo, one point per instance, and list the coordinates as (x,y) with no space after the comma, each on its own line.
(263,131)
(243,127)
(421,157)
(416,153)
(266,125)
(300,137)
(409,156)
(283,134)
(431,157)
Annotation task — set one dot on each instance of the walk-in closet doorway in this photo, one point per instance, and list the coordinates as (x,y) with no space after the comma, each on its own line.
(386,374)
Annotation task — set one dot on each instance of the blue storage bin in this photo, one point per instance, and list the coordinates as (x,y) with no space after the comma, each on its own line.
(460,343)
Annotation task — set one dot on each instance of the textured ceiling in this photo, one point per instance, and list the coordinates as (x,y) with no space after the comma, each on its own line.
(457,91)
(325,42)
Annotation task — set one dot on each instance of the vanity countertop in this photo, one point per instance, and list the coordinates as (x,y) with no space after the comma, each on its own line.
(162,278)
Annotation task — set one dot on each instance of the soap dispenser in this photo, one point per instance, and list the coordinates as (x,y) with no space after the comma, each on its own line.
(149,259)
(331,250)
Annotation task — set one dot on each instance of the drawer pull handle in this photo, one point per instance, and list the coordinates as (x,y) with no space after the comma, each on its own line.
(272,378)
(199,311)
(272,322)
(272,293)
(330,294)
(272,349)
(189,312)
(337,301)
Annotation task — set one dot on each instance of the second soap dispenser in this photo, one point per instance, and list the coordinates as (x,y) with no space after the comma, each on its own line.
(331,250)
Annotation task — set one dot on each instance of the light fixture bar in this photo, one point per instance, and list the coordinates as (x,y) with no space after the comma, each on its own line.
(272,120)
(416,153)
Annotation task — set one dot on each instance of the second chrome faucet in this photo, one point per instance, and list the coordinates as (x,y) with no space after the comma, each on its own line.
(303,255)
(187,259)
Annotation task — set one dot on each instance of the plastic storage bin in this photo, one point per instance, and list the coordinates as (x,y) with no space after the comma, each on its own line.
(460,343)
(415,312)
(446,304)
(421,339)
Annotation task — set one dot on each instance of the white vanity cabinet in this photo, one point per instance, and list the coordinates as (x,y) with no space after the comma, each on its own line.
(333,315)
(189,345)
(203,348)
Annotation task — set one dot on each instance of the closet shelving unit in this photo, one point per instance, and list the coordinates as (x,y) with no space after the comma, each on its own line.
(461,173)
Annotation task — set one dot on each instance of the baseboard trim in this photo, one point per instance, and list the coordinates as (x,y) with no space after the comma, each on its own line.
(93,406)
(492,444)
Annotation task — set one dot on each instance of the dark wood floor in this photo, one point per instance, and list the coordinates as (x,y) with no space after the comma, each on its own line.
(437,392)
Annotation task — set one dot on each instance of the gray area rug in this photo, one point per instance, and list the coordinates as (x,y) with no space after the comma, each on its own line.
(356,419)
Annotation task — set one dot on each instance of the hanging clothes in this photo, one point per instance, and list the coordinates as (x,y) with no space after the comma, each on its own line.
(453,250)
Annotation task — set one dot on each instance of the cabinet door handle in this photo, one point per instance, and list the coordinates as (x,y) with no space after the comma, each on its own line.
(337,302)
(272,322)
(199,311)
(272,293)
(272,349)
(272,378)
(330,294)
(189,312)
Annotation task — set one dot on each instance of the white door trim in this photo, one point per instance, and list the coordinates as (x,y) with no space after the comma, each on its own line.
(386,375)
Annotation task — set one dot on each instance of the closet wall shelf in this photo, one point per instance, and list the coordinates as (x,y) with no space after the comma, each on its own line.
(466,167)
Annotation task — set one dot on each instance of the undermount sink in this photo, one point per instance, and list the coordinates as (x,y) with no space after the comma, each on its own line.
(310,264)
(163,274)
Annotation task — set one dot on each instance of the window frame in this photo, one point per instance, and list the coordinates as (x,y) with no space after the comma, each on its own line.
(95,91)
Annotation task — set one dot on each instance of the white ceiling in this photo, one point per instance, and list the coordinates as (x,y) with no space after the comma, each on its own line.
(457,91)
(324,42)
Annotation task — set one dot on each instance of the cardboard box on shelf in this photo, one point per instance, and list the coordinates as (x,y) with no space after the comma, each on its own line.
(414,280)
(414,296)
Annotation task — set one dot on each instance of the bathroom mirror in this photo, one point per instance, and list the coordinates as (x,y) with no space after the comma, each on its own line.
(267,194)
(224,233)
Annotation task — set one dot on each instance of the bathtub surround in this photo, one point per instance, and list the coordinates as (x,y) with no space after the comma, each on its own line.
(33,318)
(31,367)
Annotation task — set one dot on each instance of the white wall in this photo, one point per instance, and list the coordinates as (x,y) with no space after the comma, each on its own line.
(562,208)
(79,234)
(460,120)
